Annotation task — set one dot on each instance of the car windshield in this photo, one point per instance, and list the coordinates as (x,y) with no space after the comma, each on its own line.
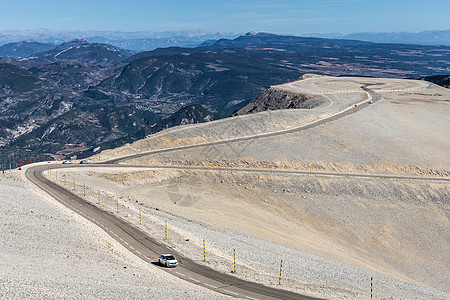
(170,257)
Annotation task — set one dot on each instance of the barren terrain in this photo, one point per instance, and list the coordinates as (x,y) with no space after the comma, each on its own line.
(50,252)
(333,233)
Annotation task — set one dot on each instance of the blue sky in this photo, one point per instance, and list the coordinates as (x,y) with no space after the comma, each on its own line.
(282,16)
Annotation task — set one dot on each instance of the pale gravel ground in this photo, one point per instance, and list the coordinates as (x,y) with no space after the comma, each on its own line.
(210,210)
(49,252)
(304,272)
(259,123)
(335,85)
(403,134)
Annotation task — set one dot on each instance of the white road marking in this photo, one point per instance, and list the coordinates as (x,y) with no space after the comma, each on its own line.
(121,239)
(210,285)
(233,293)
(131,247)
(116,235)
(251,298)
(126,243)
(180,274)
(137,251)
(193,279)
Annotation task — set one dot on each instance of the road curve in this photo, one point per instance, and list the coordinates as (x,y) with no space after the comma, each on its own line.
(277,172)
(350,110)
(148,249)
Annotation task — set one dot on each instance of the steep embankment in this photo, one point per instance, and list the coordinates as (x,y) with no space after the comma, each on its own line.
(278,97)
(275,98)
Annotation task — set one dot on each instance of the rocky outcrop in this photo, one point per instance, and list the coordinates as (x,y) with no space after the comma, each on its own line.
(275,98)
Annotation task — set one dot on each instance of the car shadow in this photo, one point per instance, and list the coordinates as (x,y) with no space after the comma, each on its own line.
(157,263)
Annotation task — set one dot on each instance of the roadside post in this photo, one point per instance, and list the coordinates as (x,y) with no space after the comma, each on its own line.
(371,288)
(234,261)
(140,216)
(204,251)
(165,237)
(281,269)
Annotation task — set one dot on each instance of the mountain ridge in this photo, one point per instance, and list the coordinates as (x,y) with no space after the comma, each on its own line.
(158,86)
(82,51)
(23,49)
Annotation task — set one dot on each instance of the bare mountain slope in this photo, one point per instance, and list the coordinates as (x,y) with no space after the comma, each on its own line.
(337,231)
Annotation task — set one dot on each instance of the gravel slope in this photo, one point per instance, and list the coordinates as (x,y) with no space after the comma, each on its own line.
(332,234)
(48,252)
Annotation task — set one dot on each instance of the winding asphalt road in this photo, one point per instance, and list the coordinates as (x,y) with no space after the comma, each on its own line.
(350,110)
(148,249)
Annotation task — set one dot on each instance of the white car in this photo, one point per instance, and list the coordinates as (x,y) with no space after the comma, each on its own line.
(168,260)
(67,162)
(85,161)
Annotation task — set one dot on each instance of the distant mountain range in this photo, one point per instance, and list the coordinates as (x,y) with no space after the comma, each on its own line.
(82,51)
(136,41)
(432,37)
(24,49)
(150,40)
(78,96)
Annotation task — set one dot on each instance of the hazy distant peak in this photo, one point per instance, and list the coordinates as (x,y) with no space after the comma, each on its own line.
(259,34)
(75,42)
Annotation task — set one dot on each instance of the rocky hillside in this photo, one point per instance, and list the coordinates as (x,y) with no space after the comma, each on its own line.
(275,98)
(442,80)
(82,51)
(24,49)
(190,114)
